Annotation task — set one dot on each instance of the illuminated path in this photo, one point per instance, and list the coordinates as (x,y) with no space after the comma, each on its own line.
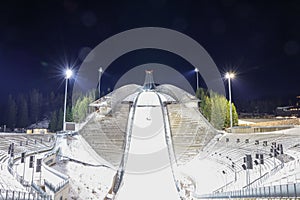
(148,173)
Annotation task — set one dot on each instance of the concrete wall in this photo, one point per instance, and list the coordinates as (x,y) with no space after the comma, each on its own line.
(50,160)
(63,193)
(257,129)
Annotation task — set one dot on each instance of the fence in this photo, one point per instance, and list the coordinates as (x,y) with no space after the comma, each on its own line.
(62,184)
(56,188)
(36,192)
(277,191)
(12,195)
(264,177)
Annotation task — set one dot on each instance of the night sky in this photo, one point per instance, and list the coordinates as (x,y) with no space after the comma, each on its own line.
(260,40)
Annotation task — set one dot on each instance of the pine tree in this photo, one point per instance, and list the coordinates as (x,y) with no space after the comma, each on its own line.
(60,118)
(80,109)
(23,119)
(75,110)
(69,114)
(227,118)
(215,108)
(53,122)
(52,101)
(218,110)
(34,107)
(207,109)
(97,95)
(235,117)
(11,112)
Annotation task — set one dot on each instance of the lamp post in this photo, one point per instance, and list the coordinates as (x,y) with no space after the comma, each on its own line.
(230,76)
(100,74)
(196,70)
(68,74)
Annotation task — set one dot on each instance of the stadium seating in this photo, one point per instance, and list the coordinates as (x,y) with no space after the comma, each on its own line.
(30,143)
(105,134)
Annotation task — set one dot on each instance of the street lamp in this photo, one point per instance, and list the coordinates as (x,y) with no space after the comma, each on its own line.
(68,74)
(196,70)
(230,76)
(100,74)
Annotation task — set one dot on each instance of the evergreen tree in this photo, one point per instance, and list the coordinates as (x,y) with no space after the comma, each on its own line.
(218,110)
(235,117)
(205,107)
(80,109)
(34,101)
(11,112)
(60,119)
(75,110)
(69,114)
(52,101)
(215,108)
(23,119)
(53,122)
(227,118)
(97,95)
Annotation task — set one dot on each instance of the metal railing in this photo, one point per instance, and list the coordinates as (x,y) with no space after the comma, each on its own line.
(62,184)
(17,195)
(168,137)
(119,175)
(257,182)
(277,191)
(36,192)
(42,194)
(58,187)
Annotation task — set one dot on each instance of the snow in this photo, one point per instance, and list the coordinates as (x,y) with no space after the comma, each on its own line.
(44,124)
(86,182)
(148,172)
(243,122)
(50,177)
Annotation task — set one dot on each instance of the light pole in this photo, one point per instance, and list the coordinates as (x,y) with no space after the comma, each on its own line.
(68,74)
(196,70)
(230,76)
(100,74)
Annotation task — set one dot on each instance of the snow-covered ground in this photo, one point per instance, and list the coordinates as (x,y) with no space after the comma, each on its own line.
(86,182)
(8,182)
(23,169)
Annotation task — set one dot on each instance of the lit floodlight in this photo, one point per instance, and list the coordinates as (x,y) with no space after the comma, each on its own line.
(100,70)
(196,71)
(229,75)
(69,73)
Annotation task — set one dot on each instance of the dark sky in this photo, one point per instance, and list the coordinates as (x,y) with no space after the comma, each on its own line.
(259,39)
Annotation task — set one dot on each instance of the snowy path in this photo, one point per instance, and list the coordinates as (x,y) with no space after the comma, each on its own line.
(148,173)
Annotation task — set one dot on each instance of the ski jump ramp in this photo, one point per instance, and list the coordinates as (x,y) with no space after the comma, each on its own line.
(147,168)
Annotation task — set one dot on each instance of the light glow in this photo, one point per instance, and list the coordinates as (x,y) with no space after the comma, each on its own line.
(229,75)
(196,70)
(69,73)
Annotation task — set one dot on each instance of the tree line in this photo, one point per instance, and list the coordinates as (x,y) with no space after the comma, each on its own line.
(216,109)
(76,113)
(23,110)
